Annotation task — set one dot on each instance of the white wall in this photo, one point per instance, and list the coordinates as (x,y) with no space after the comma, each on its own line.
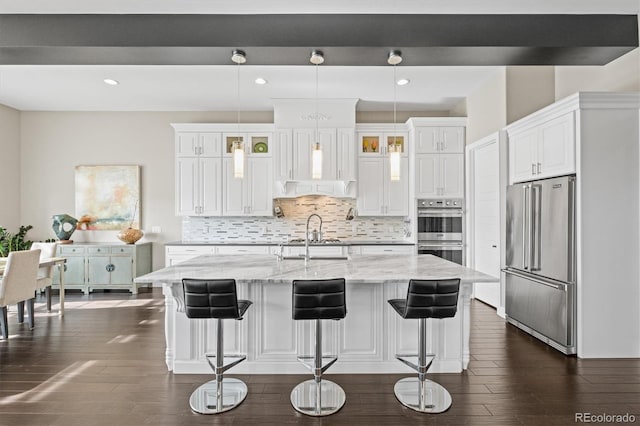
(53,143)
(486,107)
(529,88)
(621,75)
(10,168)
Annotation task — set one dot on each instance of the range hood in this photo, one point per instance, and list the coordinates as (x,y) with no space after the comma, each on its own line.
(300,123)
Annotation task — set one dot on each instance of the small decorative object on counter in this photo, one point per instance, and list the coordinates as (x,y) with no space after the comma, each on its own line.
(63,226)
(130,235)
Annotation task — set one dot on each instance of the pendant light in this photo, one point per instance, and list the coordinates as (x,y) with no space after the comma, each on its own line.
(316,154)
(239,57)
(395,57)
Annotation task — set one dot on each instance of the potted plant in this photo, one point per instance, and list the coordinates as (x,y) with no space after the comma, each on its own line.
(14,242)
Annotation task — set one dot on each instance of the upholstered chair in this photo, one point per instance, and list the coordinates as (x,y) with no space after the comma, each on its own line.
(19,283)
(45,273)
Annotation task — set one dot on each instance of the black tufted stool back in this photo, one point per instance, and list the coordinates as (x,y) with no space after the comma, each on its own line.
(429,299)
(213,299)
(216,299)
(319,299)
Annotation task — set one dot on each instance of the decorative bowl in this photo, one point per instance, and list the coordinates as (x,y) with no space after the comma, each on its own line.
(130,235)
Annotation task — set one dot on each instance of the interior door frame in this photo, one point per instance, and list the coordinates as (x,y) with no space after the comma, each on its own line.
(499,137)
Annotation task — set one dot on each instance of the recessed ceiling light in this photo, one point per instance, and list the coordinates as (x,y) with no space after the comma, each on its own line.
(403,82)
(261,81)
(111,81)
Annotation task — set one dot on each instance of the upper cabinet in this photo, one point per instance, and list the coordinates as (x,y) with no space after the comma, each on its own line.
(434,140)
(253,143)
(543,150)
(374,143)
(198,174)
(378,195)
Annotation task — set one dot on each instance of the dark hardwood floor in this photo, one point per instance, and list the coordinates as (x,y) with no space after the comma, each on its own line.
(102,364)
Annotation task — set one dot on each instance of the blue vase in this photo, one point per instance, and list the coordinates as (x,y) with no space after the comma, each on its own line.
(63,226)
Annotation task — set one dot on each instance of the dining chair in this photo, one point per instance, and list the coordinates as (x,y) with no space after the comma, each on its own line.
(45,273)
(19,283)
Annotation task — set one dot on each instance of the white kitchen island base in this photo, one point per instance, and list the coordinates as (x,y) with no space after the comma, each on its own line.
(366,341)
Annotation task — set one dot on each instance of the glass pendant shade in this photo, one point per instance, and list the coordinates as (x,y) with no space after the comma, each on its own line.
(394,163)
(238,160)
(316,162)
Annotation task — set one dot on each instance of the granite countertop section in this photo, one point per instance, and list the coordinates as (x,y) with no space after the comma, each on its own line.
(261,269)
(253,243)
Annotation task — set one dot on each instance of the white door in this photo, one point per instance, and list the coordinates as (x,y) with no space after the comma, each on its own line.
(426,140)
(370,186)
(211,186)
(302,144)
(397,192)
(556,147)
(523,155)
(186,144)
(486,220)
(259,191)
(427,175)
(210,144)
(187,186)
(452,139)
(283,148)
(452,175)
(327,139)
(234,192)
(346,154)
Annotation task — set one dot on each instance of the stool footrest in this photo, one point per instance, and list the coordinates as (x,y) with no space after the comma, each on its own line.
(310,362)
(228,361)
(413,361)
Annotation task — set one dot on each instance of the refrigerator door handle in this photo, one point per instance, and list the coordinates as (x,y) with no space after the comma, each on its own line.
(524,227)
(535,280)
(536,222)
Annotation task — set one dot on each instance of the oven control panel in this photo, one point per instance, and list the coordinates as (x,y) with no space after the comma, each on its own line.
(438,203)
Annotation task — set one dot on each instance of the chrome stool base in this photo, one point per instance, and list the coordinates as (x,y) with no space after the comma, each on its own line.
(204,400)
(318,398)
(435,398)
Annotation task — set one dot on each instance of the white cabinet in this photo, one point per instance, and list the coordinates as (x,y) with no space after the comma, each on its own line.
(378,195)
(346,154)
(431,140)
(383,249)
(439,175)
(545,150)
(283,153)
(192,144)
(377,143)
(303,143)
(176,254)
(251,195)
(198,174)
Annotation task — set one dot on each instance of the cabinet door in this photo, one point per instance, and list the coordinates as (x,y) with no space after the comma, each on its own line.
(210,144)
(234,193)
(186,144)
(187,186)
(399,139)
(98,273)
(346,155)
(283,152)
(451,139)
(427,175)
(370,200)
(122,272)
(452,175)
(211,186)
(302,144)
(522,155)
(327,139)
(426,140)
(260,201)
(556,142)
(370,144)
(74,271)
(259,144)
(397,192)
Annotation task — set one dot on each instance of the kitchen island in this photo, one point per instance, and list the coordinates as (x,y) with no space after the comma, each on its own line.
(366,341)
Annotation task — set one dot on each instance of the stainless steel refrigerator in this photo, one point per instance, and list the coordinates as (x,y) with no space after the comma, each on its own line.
(540,260)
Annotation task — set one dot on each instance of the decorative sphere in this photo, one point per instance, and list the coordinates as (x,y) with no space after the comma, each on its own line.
(130,235)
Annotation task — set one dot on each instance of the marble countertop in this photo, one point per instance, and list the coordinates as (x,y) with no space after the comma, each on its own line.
(253,243)
(357,269)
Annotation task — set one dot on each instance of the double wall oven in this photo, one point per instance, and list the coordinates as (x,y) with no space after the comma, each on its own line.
(440,228)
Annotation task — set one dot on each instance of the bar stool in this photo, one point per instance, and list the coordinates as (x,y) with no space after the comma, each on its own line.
(318,300)
(217,299)
(425,299)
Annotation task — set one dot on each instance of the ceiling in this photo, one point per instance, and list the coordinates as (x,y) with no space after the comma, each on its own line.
(63,70)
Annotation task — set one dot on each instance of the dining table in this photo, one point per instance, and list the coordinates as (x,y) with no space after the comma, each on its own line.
(58,262)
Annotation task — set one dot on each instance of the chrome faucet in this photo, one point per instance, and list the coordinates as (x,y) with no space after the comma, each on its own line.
(306,236)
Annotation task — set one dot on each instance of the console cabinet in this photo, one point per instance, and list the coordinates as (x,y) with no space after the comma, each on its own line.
(93,266)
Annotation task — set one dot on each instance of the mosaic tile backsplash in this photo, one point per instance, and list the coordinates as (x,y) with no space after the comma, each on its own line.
(296,210)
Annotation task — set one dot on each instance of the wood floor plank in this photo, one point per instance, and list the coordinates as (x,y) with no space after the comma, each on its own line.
(103,364)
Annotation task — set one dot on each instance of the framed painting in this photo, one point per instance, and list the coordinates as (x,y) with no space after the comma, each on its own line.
(108,197)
